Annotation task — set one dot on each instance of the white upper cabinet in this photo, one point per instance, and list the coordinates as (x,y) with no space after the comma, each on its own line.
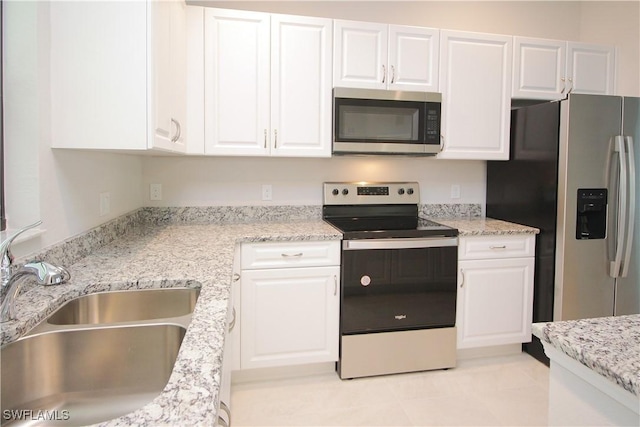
(381,56)
(301,86)
(475,81)
(550,69)
(236,82)
(267,84)
(118,75)
(591,68)
(169,76)
(539,68)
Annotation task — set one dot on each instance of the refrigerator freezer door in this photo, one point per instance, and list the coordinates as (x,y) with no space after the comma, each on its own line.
(588,126)
(628,288)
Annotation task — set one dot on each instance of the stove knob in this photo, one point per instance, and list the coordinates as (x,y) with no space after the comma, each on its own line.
(409,191)
(401,191)
(345,192)
(335,192)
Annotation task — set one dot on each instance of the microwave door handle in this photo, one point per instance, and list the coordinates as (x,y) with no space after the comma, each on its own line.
(631,207)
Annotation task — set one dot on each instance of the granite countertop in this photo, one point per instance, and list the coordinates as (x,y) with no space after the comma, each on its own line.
(482,226)
(154,256)
(610,346)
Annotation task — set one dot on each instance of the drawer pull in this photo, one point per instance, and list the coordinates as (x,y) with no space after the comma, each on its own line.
(498,247)
(298,255)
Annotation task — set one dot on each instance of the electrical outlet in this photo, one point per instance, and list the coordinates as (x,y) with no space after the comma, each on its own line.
(267,192)
(155,191)
(105,203)
(455,191)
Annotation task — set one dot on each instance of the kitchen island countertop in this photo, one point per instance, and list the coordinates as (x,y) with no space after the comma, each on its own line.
(609,346)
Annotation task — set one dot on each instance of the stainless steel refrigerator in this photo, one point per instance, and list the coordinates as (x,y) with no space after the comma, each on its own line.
(573,173)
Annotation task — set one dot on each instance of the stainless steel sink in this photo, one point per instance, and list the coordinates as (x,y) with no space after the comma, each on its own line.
(126,306)
(86,375)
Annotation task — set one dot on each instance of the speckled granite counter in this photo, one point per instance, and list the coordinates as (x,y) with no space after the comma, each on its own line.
(192,247)
(481,226)
(610,346)
(167,255)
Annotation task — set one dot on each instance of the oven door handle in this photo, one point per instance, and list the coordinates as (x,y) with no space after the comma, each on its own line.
(400,243)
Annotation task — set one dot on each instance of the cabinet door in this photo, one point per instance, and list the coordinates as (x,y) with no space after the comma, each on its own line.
(539,68)
(360,52)
(300,86)
(289,316)
(413,58)
(591,68)
(236,82)
(168,100)
(475,80)
(495,302)
(98,75)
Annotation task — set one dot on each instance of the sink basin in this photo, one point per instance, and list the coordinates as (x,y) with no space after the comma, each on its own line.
(126,306)
(85,376)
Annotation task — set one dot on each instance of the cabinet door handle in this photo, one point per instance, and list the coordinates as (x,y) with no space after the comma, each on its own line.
(571,86)
(335,285)
(564,85)
(221,421)
(393,74)
(178,130)
(265,138)
(384,73)
(236,277)
(462,281)
(232,324)
(298,255)
(275,138)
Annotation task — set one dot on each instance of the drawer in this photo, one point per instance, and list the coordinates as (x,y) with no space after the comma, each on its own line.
(290,254)
(488,247)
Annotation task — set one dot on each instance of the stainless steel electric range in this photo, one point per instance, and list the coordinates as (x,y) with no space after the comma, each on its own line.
(398,280)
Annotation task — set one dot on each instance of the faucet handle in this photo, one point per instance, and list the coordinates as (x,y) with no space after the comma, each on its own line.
(6,259)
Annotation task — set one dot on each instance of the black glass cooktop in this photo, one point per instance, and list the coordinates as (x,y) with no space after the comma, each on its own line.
(367,225)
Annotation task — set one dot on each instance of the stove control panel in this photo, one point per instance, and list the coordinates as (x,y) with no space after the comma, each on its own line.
(369,193)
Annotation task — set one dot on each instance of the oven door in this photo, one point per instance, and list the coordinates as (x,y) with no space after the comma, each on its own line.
(398,284)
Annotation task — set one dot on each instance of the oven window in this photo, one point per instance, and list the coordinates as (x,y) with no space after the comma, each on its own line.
(398,289)
(358,120)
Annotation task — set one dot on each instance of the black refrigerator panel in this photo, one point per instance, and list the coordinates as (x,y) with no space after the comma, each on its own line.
(524,190)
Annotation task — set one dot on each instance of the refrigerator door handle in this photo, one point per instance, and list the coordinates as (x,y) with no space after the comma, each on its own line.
(631,175)
(614,268)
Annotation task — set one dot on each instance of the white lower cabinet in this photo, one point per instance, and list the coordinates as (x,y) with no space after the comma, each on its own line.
(290,303)
(495,290)
(289,316)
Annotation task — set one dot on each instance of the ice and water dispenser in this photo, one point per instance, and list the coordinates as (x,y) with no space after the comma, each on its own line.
(591,220)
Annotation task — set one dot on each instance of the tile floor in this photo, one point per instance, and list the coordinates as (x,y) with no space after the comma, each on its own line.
(497,391)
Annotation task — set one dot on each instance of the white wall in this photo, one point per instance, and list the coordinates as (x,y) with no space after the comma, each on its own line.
(238,181)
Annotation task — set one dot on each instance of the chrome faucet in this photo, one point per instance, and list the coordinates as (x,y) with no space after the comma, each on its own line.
(45,274)
(6,258)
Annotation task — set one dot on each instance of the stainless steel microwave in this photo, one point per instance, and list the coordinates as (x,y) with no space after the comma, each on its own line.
(372,121)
